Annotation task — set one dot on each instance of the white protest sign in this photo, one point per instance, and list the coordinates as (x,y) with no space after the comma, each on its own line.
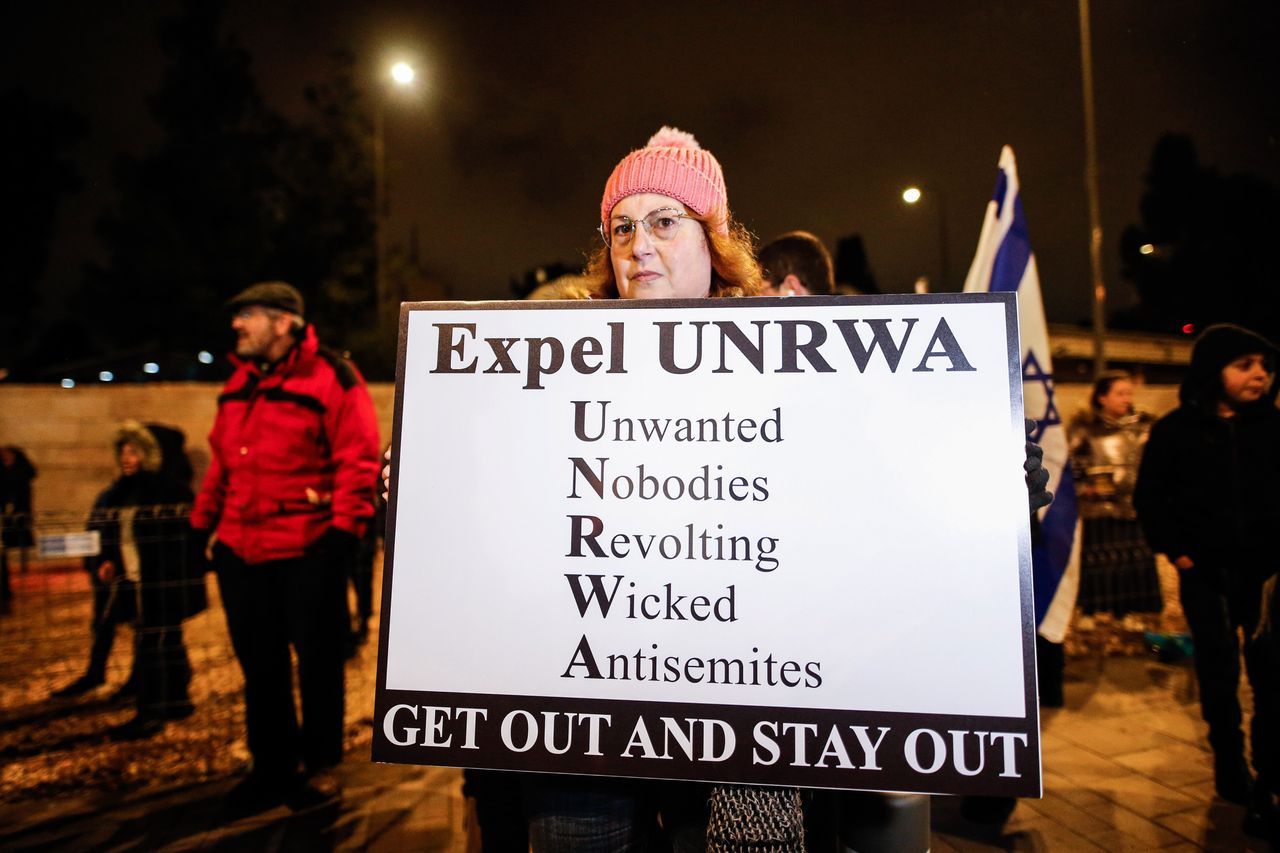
(770,541)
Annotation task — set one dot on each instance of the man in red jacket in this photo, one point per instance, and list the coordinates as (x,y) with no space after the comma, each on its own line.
(288,494)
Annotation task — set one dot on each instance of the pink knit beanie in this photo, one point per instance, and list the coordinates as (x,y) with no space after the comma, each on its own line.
(672,164)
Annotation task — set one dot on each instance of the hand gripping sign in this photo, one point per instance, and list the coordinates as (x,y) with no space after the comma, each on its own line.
(753,540)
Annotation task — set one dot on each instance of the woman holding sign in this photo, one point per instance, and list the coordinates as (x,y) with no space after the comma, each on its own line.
(667,234)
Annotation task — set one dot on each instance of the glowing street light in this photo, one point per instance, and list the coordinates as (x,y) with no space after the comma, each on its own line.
(911,195)
(1147,249)
(150,367)
(402,75)
(68,383)
(204,357)
(105,376)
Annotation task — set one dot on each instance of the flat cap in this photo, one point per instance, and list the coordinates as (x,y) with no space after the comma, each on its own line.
(270,294)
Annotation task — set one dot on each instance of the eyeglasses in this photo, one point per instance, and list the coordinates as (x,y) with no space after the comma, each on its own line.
(661,224)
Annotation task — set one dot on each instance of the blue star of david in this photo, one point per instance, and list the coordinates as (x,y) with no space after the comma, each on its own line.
(1033,372)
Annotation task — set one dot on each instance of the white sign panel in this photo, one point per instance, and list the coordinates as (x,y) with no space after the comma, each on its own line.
(775,541)
(86,543)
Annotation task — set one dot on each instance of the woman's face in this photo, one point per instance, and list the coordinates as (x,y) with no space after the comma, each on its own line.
(1118,401)
(130,459)
(650,268)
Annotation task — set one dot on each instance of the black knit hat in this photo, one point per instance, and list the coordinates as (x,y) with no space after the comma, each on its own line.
(269,294)
(1218,346)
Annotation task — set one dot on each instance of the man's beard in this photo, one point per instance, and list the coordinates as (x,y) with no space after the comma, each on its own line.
(249,347)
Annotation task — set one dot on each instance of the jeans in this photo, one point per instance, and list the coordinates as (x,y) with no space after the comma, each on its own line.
(583,815)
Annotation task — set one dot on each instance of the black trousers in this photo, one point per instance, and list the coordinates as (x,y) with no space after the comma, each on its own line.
(114,603)
(162,669)
(1216,604)
(362,576)
(6,589)
(271,606)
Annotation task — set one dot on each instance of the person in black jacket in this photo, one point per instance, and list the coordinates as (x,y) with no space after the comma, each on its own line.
(153,578)
(16,474)
(1207,497)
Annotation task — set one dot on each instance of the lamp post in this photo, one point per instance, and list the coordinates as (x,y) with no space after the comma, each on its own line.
(1091,185)
(914,195)
(401,75)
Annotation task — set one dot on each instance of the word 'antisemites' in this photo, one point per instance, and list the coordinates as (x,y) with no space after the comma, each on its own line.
(649,665)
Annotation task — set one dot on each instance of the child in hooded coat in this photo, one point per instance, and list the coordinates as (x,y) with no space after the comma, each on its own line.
(1208,497)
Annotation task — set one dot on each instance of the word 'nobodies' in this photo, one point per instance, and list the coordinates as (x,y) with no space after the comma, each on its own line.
(681,348)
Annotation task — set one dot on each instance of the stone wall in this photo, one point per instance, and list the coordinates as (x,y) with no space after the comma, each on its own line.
(67,433)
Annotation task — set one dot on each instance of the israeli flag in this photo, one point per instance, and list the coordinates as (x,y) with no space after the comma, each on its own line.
(1004,262)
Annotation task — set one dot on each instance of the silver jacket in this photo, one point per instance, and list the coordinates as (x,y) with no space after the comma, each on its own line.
(1105,453)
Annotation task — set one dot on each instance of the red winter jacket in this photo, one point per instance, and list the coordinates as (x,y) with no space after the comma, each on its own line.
(294,451)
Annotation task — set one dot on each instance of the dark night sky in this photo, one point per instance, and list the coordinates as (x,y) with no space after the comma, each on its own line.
(819,112)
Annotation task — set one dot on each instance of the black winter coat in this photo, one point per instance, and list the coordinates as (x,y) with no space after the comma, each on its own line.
(171,572)
(1209,487)
(15,502)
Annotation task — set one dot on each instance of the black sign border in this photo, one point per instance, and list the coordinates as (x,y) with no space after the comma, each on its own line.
(1027,784)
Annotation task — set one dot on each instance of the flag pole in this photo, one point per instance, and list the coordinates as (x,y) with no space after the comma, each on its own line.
(1091,186)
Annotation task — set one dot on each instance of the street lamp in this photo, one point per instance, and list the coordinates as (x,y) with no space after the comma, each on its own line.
(401,75)
(914,195)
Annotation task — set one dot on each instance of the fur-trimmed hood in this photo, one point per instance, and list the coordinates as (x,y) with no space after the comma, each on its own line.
(134,433)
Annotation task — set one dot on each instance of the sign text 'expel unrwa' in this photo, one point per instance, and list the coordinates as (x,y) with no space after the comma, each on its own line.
(462,348)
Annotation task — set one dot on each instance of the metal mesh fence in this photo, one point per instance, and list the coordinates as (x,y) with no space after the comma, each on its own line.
(64,627)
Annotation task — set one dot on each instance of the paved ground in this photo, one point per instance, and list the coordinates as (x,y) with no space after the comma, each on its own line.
(1126,769)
